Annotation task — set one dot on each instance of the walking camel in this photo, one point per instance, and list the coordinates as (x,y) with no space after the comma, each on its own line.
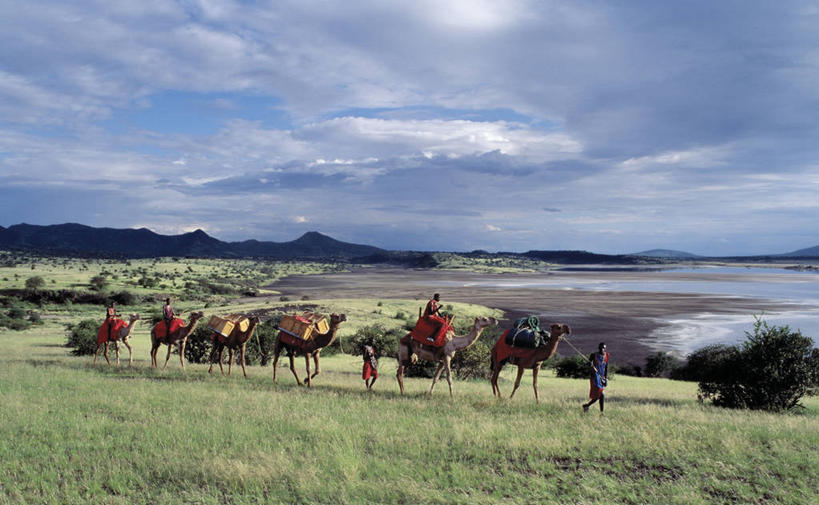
(178,336)
(310,349)
(530,359)
(123,334)
(236,340)
(409,351)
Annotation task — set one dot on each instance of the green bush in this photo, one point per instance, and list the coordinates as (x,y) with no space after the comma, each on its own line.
(82,337)
(659,364)
(772,370)
(472,362)
(265,336)
(573,367)
(199,345)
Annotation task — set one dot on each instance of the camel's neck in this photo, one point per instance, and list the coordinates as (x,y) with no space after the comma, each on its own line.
(130,326)
(186,330)
(551,346)
(468,339)
(325,339)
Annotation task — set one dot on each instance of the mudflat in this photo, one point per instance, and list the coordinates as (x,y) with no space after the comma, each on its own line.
(625,320)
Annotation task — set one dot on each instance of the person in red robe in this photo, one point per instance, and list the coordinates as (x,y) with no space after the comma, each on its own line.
(433,308)
(370,370)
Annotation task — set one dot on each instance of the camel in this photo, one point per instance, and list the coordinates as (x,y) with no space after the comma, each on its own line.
(178,336)
(311,349)
(532,361)
(236,340)
(409,351)
(123,335)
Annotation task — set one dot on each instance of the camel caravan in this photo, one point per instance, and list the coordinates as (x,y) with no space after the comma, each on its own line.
(432,339)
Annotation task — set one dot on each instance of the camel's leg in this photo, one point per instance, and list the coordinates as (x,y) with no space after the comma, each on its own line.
(96,353)
(517,381)
(399,375)
(212,358)
(230,362)
(168,356)
(276,351)
(130,353)
(308,379)
(116,350)
(316,361)
(182,352)
(105,353)
(293,369)
(242,354)
(436,375)
(535,370)
(494,381)
(447,362)
(154,348)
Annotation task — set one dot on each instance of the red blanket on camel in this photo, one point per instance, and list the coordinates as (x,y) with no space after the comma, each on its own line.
(160,328)
(431,330)
(116,324)
(502,351)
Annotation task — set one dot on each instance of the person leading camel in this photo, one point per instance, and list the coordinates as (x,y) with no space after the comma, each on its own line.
(370,369)
(598,379)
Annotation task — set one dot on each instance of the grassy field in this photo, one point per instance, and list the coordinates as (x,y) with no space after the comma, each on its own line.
(71,432)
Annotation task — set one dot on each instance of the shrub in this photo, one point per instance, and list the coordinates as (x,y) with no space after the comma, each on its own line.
(35,283)
(703,363)
(265,336)
(199,345)
(573,367)
(472,362)
(772,370)
(98,282)
(125,298)
(659,363)
(82,337)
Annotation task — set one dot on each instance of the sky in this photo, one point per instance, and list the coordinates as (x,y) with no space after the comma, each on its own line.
(611,127)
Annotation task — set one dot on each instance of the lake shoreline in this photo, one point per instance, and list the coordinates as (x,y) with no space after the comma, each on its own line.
(628,321)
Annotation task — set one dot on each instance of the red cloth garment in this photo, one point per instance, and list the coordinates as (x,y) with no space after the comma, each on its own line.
(160,330)
(503,351)
(292,341)
(368,371)
(102,333)
(432,308)
(431,330)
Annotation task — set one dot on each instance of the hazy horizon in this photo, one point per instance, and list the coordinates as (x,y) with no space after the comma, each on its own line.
(431,125)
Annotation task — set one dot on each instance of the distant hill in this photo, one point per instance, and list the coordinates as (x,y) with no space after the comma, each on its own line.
(812,252)
(81,240)
(666,253)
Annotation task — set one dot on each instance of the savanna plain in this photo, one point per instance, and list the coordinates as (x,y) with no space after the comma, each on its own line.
(75,432)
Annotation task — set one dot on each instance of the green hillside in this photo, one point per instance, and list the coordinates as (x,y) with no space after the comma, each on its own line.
(71,432)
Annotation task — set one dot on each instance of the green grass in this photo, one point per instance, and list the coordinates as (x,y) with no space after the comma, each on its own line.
(71,432)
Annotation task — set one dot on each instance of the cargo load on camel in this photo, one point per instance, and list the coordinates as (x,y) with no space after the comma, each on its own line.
(431,330)
(298,329)
(525,333)
(116,324)
(223,326)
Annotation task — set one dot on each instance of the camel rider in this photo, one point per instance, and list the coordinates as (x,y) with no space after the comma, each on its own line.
(433,309)
(110,315)
(599,363)
(167,316)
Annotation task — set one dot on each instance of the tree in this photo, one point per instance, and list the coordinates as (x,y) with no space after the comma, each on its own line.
(659,363)
(772,370)
(35,283)
(98,282)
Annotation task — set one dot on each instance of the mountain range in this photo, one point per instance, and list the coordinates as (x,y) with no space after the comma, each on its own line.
(81,240)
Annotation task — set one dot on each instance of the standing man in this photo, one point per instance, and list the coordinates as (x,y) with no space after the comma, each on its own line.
(599,363)
(432,306)
(167,316)
(369,370)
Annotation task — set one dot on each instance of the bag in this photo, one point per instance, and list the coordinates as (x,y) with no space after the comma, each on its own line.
(523,337)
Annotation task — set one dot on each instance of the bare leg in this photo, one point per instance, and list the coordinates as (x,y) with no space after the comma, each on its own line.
(517,381)
(308,379)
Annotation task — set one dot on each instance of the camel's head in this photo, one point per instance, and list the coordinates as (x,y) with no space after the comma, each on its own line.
(196,316)
(254,319)
(133,317)
(483,322)
(559,330)
(336,319)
